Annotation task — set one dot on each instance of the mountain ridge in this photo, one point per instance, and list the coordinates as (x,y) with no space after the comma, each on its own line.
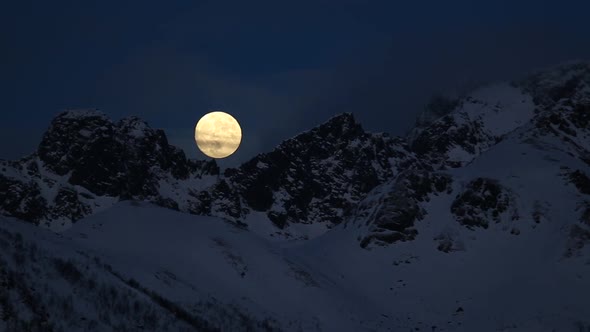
(86,161)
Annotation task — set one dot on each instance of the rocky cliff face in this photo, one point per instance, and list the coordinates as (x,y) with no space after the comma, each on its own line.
(319,175)
(85,162)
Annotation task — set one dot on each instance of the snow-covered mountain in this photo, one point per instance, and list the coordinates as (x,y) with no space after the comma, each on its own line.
(86,162)
(478,221)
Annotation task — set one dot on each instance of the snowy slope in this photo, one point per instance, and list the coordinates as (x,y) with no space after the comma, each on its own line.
(49,284)
(190,258)
(506,237)
(527,271)
(205,265)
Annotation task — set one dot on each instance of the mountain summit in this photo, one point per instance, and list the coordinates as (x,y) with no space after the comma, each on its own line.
(86,162)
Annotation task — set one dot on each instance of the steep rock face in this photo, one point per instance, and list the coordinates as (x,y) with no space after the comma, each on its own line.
(110,158)
(482,201)
(389,213)
(21,199)
(86,162)
(220,199)
(71,139)
(319,175)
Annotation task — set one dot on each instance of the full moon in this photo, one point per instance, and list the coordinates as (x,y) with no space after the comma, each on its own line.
(218,134)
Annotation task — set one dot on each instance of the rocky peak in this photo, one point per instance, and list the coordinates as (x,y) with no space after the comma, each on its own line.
(71,135)
(389,213)
(134,127)
(84,155)
(109,158)
(342,126)
(318,175)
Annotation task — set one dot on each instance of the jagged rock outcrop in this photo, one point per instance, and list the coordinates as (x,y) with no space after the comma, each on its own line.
(390,212)
(481,202)
(85,162)
(108,158)
(319,175)
(22,199)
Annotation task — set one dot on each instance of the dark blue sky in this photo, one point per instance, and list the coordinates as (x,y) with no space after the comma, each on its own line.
(279,66)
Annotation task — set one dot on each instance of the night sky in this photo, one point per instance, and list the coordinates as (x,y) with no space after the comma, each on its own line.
(280,67)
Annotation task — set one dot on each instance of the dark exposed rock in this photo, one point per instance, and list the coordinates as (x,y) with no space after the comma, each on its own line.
(446,134)
(585,217)
(581,181)
(219,200)
(112,159)
(319,175)
(166,202)
(72,137)
(579,237)
(203,167)
(453,140)
(68,205)
(448,242)
(279,219)
(126,160)
(398,207)
(482,201)
(22,200)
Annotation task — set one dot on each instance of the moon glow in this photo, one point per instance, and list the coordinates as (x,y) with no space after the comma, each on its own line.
(218,134)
